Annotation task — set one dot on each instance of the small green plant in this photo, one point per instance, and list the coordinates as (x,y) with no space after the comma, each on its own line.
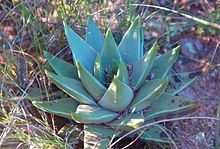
(114,88)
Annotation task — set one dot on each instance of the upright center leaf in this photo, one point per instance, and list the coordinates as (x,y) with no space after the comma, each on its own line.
(110,56)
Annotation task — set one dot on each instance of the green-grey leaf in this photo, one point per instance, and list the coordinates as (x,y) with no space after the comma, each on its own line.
(122,73)
(150,91)
(129,122)
(58,66)
(73,132)
(97,136)
(62,107)
(89,114)
(35,93)
(141,41)
(169,104)
(72,87)
(153,133)
(93,36)
(92,85)
(179,81)
(117,97)
(131,45)
(163,64)
(142,68)
(81,51)
(98,70)
(110,51)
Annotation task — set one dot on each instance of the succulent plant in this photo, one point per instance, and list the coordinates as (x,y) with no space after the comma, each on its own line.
(114,89)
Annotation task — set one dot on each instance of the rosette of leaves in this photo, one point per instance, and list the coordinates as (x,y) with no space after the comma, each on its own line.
(114,89)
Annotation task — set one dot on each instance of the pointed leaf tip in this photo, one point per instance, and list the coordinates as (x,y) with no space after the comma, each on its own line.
(92,85)
(143,67)
(117,97)
(93,36)
(62,107)
(122,73)
(81,50)
(164,63)
(148,93)
(64,23)
(98,73)
(72,87)
(58,65)
(131,45)
(110,52)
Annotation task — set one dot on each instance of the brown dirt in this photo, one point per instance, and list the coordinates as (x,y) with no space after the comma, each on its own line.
(200,133)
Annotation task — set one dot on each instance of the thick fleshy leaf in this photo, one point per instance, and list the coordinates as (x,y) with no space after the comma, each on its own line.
(81,51)
(93,36)
(110,53)
(88,114)
(168,104)
(129,122)
(131,45)
(143,67)
(179,81)
(73,133)
(97,136)
(72,87)
(163,64)
(92,85)
(150,91)
(141,41)
(62,107)
(117,97)
(122,73)
(98,70)
(58,65)
(36,93)
(153,133)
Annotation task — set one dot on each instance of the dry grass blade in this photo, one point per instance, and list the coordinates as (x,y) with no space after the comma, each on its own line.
(204,22)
